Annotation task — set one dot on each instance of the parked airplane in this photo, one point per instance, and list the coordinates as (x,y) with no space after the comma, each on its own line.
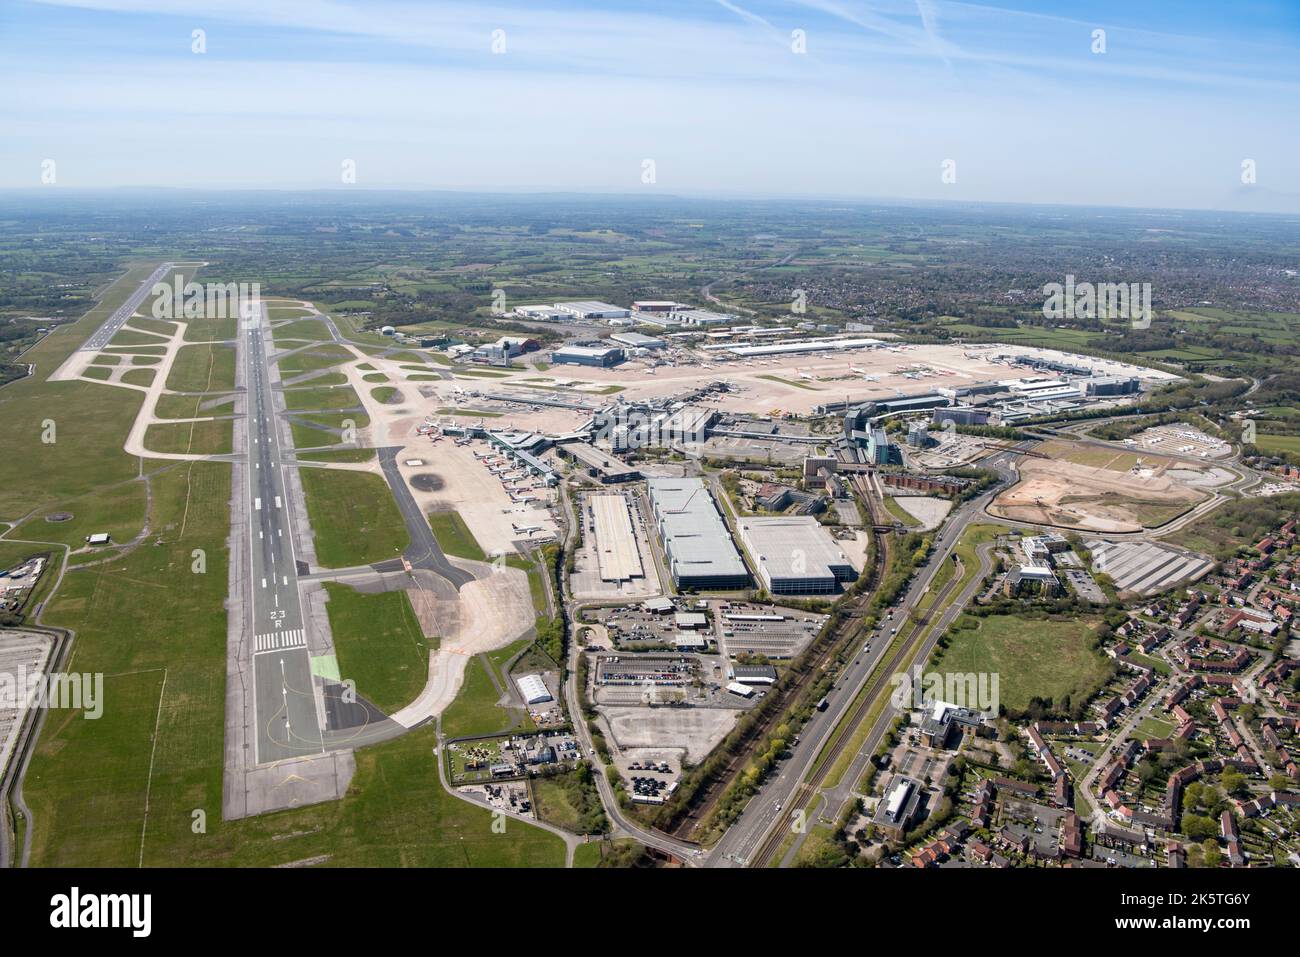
(526,529)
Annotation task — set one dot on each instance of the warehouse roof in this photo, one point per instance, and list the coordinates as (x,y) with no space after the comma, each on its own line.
(694,533)
(794,546)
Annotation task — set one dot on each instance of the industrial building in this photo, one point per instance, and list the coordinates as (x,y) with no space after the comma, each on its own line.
(655,305)
(697,545)
(803,345)
(533,689)
(591,309)
(795,555)
(617,555)
(635,340)
(588,354)
(544,313)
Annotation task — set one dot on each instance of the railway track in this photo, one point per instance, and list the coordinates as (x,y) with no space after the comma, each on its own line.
(851,630)
(844,731)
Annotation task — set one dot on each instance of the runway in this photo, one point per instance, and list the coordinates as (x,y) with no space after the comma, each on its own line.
(287,719)
(117,320)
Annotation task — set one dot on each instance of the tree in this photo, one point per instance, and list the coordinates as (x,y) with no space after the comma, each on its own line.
(1198,827)
(1212,855)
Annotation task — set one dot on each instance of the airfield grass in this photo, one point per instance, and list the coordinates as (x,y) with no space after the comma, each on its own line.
(454,536)
(156,629)
(98,372)
(118,510)
(142,377)
(313,359)
(132,337)
(353,517)
(106,360)
(187,406)
(210,330)
(313,329)
(203,368)
(211,437)
(379,644)
(386,394)
(339,455)
(1033,657)
(319,399)
(476,710)
(160,327)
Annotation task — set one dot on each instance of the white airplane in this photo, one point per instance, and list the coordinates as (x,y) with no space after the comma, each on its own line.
(526,529)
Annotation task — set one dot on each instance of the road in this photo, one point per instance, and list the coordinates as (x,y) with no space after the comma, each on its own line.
(285,700)
(747,834)
(113,323)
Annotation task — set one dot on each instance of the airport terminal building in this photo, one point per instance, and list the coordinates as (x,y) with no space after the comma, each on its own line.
(697,545)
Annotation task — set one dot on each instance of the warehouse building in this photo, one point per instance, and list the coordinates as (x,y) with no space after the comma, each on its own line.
(697,545)
(588,354)
(533,689)
(802,346)
(591,309)
(544,313)
(795,555)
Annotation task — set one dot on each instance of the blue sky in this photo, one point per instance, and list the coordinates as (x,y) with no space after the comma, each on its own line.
(711,90)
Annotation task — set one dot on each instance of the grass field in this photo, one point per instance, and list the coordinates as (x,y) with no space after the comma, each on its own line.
(117,510)
(339,455)
(386,394)
(310,360)
(1043,658)
(319,399)
(212,437)
(313,329)
(454,536)
(379,645)
(1275,444)
(353,517)
(204,368)
(475,710)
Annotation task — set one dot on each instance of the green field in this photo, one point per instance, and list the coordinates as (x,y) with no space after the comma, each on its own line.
(205,368)
(570,801)
(1033,658)
(454,536)
(379,645)
(211,437)
(1276,444)
(475,710)
(319,399)
(353,517)
(117,510)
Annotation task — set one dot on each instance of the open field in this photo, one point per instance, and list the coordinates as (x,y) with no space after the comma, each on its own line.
(320,399)
(476,710)
(379,645)
(203,368)
(1040,658)
(454,536)
(212,437)
(353,517)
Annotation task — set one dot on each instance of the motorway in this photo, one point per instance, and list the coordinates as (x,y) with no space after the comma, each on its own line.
(285,699)
(746,835)
(113,323)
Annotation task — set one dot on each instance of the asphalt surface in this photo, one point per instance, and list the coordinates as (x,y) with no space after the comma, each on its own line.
(423,551)
(125,311)
(284,694)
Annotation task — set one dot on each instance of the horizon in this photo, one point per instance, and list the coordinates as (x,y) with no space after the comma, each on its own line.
(906,102)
